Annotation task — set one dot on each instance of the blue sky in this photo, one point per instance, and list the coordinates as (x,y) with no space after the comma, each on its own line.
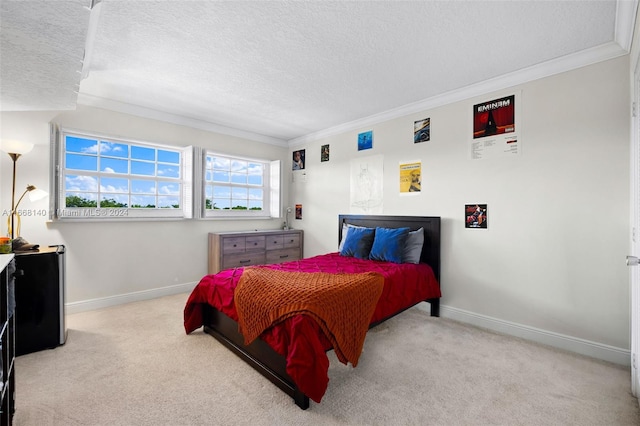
(139,175)
(221,171)
(132,172)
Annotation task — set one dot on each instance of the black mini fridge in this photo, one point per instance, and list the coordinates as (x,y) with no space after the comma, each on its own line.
(40,298)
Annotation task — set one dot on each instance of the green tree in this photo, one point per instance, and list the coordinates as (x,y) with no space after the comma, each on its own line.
(76,201)
(111,203)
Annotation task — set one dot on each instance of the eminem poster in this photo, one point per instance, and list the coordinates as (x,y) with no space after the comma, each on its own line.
(495,128)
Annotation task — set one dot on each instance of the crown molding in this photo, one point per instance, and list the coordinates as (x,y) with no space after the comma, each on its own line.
(580,59)
(626,11)
(122,107)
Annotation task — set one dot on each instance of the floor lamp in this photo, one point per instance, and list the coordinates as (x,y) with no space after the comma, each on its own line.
(15,149)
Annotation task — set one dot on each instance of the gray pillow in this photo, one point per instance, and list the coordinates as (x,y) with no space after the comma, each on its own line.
(413,246)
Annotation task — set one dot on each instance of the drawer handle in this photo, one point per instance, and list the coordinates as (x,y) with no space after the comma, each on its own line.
(255,244)
(245,261)
(284,256)
(235,245)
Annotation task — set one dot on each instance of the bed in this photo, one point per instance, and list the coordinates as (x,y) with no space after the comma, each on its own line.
(292,352)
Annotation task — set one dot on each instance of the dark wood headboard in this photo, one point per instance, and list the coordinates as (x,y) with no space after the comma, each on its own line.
(431,224)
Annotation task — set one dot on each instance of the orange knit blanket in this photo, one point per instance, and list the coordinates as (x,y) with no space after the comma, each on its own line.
(342,304)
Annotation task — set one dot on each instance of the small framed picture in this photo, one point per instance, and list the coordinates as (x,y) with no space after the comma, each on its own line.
(422,130)
(365,140)
(475,216)
(324,153)
(298,160)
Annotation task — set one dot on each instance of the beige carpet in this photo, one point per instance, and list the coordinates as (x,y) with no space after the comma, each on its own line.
(134,365)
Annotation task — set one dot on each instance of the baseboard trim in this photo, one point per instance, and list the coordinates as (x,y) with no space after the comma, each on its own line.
(573,344)
(561,341)
(137,296)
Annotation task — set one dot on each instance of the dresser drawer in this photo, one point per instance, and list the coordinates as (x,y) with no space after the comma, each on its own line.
(233,245)
(242,244)
(283,255)
(255,242)
(291,240)
(275,242)
(243,259)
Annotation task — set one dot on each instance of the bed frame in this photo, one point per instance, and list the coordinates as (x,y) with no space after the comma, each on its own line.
(271,364)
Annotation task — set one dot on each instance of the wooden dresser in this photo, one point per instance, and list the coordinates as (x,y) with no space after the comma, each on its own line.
(233,249)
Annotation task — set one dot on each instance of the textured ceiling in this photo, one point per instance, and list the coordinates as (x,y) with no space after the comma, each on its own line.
(282,70)
(41,51)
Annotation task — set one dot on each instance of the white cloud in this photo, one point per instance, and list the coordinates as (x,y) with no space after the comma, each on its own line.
(93,149)
(168,190)
(111,188)
(81,183)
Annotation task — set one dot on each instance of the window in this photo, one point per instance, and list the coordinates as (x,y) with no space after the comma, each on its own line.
(240,187)
(101,177)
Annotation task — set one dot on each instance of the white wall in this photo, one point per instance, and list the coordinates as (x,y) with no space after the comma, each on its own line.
(553,257)
(116,262)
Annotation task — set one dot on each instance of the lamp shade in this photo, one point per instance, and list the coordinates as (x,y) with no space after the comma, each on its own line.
(15,147)
(37,194)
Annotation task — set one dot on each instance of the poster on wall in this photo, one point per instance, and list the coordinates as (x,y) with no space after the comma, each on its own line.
(496,127)
(298,160)
(298,211)
(475,216)
(366,185)
(410,178)
(324,153)
(422,130)
(365,140)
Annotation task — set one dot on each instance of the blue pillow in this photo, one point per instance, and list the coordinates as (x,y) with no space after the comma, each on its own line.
(358,242)
(413,246)
(345,231)
(389,244)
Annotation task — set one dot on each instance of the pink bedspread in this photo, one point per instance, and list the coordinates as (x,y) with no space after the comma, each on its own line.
(299,339)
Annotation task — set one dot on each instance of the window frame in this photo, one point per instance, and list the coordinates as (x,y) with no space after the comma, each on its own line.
(271,188)
(193,200)
(58,210)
